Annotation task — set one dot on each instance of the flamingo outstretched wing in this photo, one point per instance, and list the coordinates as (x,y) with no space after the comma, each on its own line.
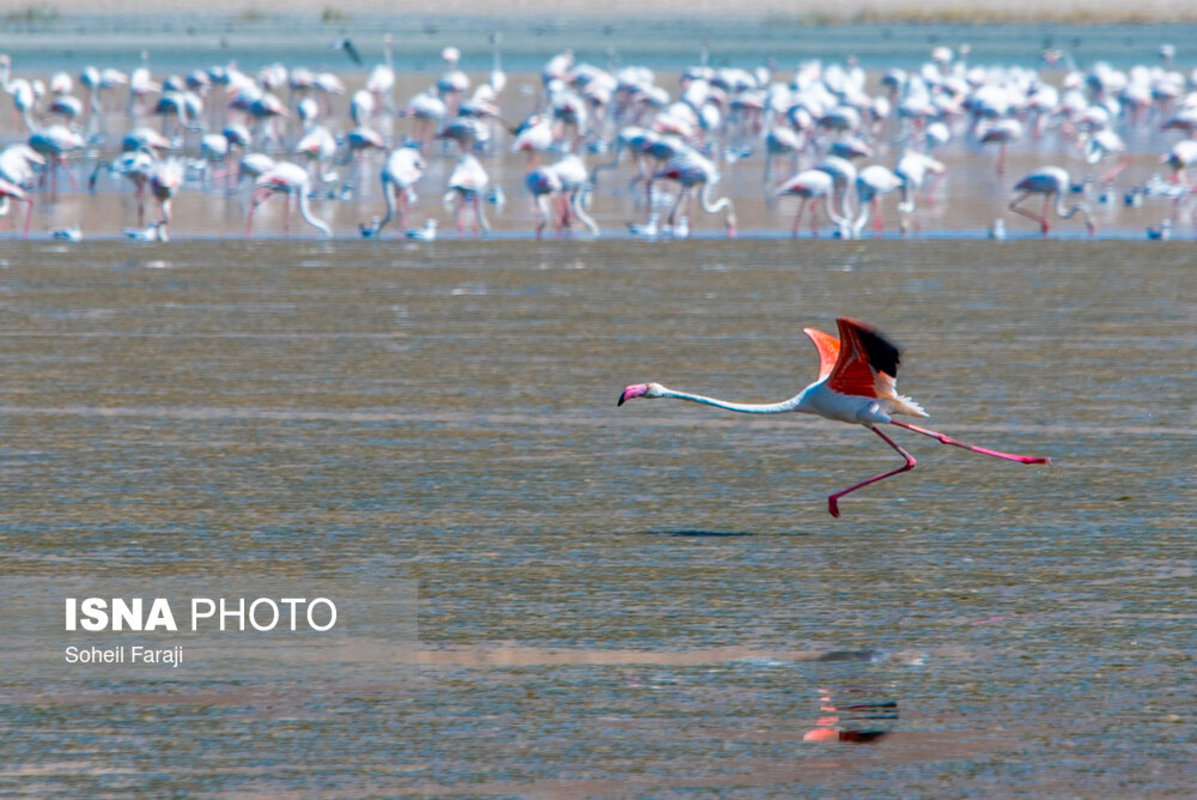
(828,348)
(867,365)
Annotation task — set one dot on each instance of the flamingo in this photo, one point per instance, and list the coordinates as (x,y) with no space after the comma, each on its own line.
(137,167)
(23,96)
(1002,133)
(913,168)
(288,179)
(857,384)
(166,177)
(10,191)
(54,143)
(466,184)
(498,78)
(545,185)
(381,80)
(1049,182)
(692,170)
(812,184)
(872,182)
(401,172)
(568,182)
(427,109)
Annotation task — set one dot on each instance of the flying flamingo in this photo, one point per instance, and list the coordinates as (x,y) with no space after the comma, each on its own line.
(1048,181)
(288,179)
(857,384)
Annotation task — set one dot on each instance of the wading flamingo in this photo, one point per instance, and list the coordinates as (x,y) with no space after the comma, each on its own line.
(400,174)
(1048,181)
(9,191)
(817,185)
(287,179)
(695,173)
(166,177)
(857,384)
(466,184)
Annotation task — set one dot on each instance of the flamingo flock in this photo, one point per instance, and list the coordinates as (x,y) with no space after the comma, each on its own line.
(669,155)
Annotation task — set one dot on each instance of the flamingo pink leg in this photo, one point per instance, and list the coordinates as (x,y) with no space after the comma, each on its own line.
(982,450)
(258,198)
(833,504)
(798,216)
(1042,220)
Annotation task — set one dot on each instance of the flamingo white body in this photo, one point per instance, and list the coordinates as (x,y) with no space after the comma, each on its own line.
(287,179)
(400,173)
(1001,133)
(466,184)
(873,182)
(913,168)
(18,163)
(566,181)
(54,143)
(1180,157)
(1050,182)
(857,384)
(816,185)
(10,191)
(166,178)
(135,166)
(381,80)
(696,172)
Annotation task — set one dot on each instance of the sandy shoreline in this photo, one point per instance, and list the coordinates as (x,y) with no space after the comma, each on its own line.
(978,11)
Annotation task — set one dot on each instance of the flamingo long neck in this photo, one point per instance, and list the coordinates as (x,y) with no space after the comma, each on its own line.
(542,208)
(743,408)
(842,221)
(620,151)
(306,213)
(578,201)
(27,117)
(845,200)
(858,224)
(704,198)
(389,188)
(1064,212)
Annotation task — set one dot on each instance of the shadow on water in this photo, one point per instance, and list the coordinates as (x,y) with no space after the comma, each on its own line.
(703,534)
(694,533)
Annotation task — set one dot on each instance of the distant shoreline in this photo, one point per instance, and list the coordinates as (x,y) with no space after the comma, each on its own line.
(821,12)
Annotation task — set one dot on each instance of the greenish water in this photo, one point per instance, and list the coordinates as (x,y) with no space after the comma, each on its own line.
(641,601)
(184,40)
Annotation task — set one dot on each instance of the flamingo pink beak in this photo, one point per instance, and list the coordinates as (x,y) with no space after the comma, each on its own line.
(635,390)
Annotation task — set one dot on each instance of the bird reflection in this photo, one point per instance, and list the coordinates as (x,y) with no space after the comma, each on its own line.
(852,715)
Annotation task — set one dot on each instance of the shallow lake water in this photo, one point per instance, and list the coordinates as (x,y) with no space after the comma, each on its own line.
(643,601)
